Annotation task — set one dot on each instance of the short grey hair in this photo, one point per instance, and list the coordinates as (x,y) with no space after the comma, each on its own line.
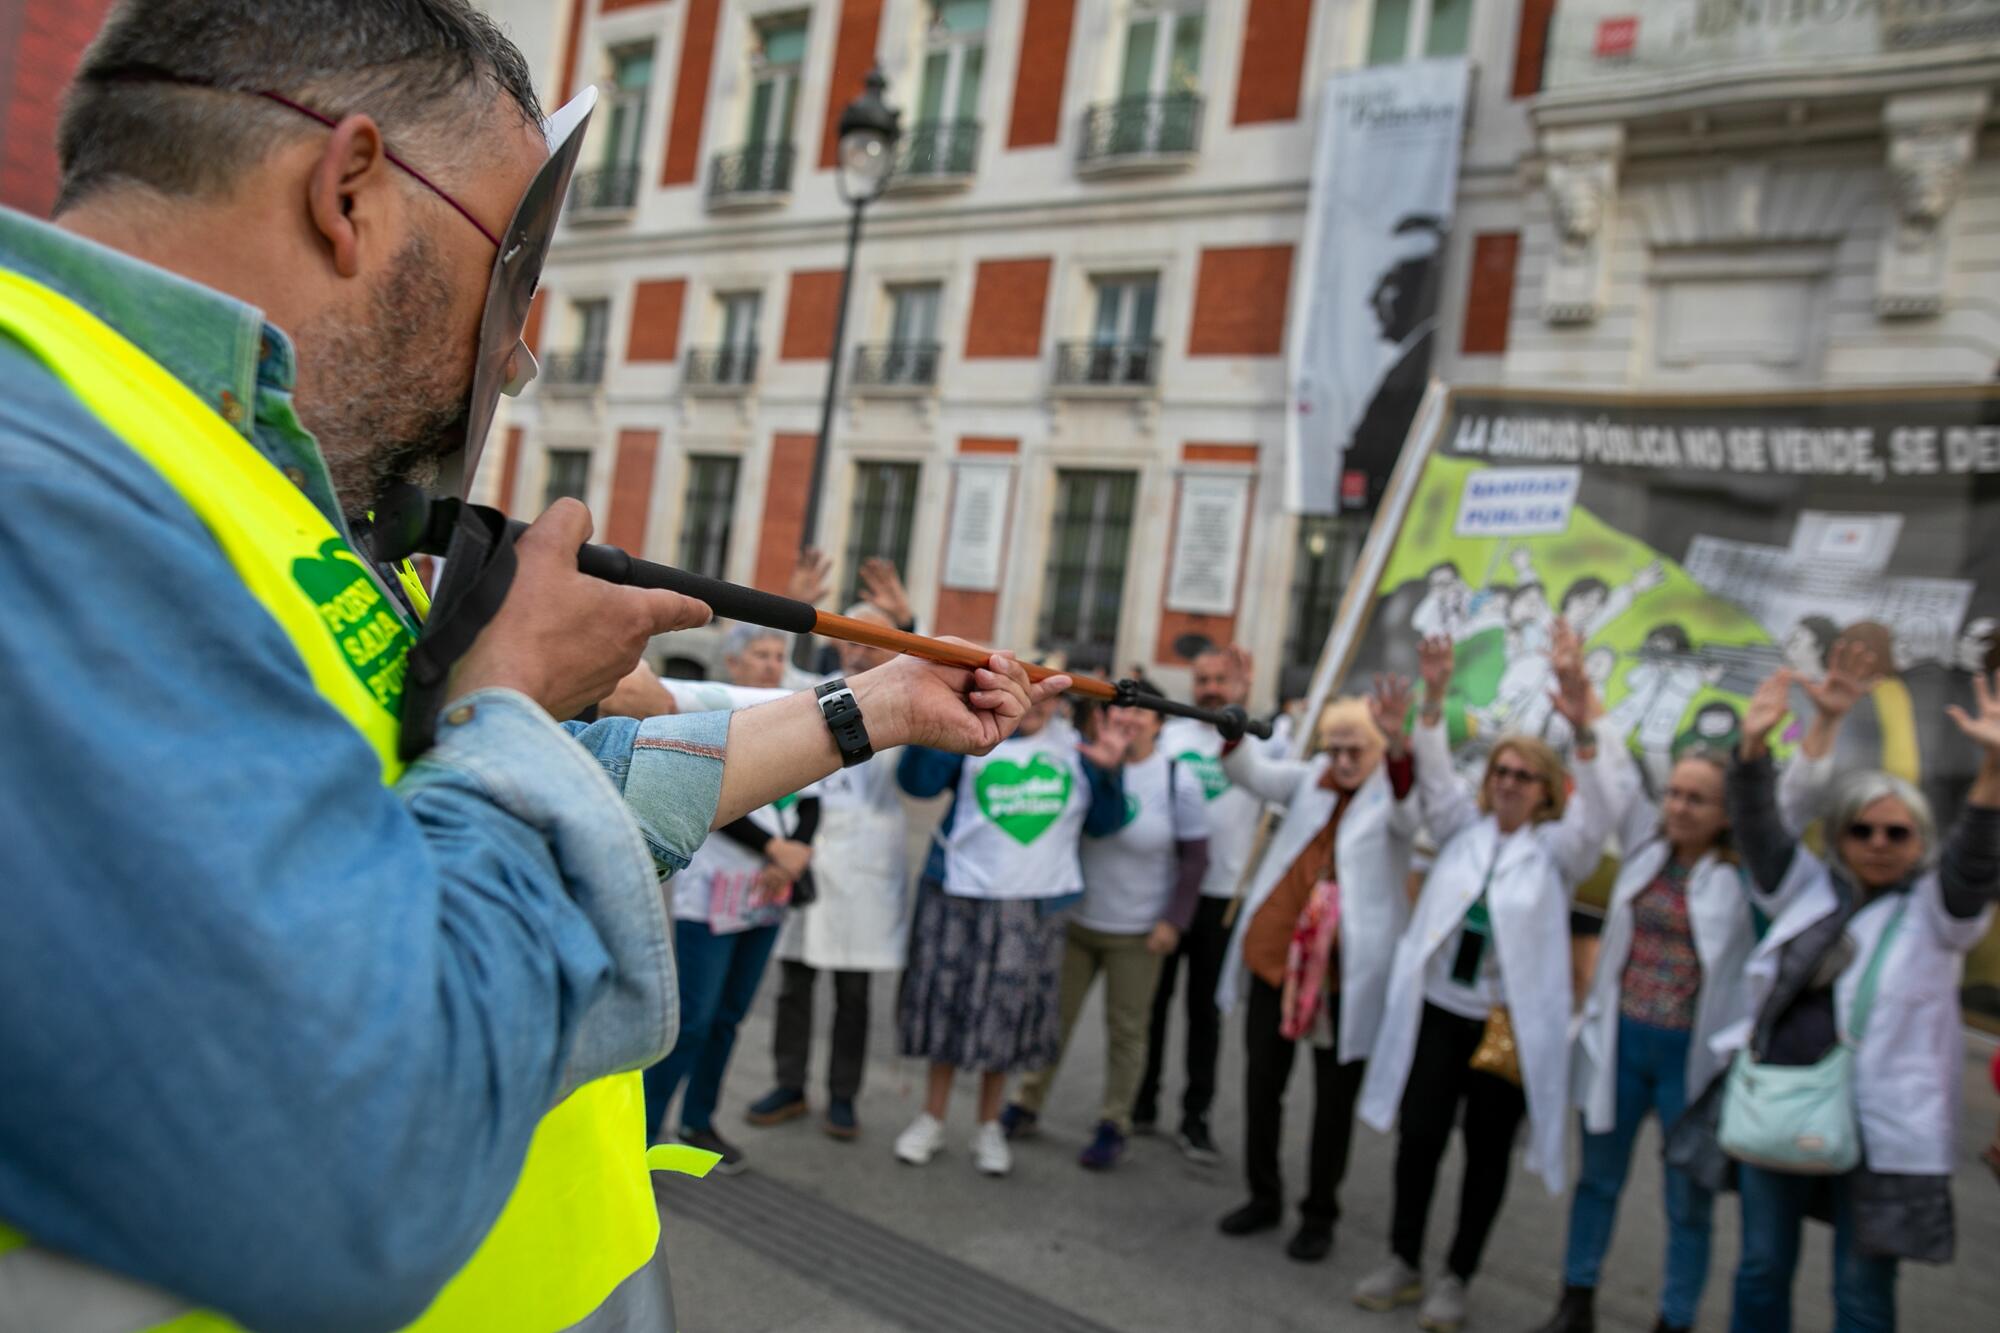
(160,97)
(1857,791)
(741,636)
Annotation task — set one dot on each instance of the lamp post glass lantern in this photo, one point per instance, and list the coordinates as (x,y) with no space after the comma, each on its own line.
(869,129)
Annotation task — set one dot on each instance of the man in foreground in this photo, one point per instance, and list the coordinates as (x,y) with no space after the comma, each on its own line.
(287,1019)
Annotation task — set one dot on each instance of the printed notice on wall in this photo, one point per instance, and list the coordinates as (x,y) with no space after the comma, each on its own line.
(978,521)
(1208,544)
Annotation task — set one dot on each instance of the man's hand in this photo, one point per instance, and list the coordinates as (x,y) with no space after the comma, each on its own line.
(562,638)
(1239,660)
(882,588)
(1163,940)
(789,855)
(812,577)
(909,701)
(639,695)
(773,884)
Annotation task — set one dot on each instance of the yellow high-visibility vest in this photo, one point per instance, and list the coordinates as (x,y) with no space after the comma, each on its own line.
(581,1218)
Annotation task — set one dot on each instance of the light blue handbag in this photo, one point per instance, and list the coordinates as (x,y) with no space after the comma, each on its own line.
(1801,1119)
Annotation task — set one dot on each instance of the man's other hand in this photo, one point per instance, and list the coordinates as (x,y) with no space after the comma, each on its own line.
(641,694)
(562,638)
(910,701)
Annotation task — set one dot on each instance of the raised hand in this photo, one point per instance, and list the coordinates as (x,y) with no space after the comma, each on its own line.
(1239,661)
(1851,671)
(1389,706)
(1566,657)
(812,577)
(1114,737)
(1982,728)
(1767,708)
(1574,698)
(1435,659)
(882,588)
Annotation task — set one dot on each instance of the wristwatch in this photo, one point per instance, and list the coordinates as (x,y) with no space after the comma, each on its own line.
(843,719)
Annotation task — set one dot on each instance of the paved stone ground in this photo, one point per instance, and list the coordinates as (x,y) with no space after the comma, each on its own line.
(1137,1249)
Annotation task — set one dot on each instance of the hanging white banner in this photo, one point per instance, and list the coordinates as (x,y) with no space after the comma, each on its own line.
(1385,173)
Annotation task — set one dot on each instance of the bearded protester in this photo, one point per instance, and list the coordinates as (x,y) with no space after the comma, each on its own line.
(307,1029)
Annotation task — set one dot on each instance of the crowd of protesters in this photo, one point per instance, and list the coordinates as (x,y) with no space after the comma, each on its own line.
(1409,924)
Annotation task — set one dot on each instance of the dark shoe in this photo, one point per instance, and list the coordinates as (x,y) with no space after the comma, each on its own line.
(1254,1216)
(1018,1122)
(777,1106)
(1195,1143)
(1575,1313)
(708,1140)
(1664,1327)
(840,1121)
(1104,1150)
(1310,1243)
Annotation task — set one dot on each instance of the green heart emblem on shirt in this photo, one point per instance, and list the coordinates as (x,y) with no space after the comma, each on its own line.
(366,629)
(1023,800)
(784,803)
(1131,808)
(1214,781)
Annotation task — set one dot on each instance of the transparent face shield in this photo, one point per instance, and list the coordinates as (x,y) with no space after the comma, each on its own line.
(505,364)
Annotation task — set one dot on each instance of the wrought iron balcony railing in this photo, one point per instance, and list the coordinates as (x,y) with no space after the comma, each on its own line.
(757,174)
(580,369)
(720,367)
(1134,130)
(886,364)
(937,152)
(1130,364)
(605,190)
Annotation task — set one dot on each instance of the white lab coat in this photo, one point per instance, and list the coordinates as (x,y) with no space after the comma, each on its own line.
(860,921)
(1910,1062)
(1528,897)
(1372,859)
(1720,894)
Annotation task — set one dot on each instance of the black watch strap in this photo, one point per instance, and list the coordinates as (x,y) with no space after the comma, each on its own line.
(843,719)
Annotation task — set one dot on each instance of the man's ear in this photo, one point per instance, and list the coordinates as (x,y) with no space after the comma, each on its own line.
(352,169)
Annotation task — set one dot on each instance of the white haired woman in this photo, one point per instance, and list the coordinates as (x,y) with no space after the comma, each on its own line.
(1349,820)
(1869,953)
(1484,965)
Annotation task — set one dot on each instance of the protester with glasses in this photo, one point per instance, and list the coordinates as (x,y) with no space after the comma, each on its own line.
(1886,885)
(1312,944)
(1478,1007)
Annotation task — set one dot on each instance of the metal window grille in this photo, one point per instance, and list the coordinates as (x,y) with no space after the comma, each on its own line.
(569,474)
(706,510)
(1086,564)
(1324,557)
(885,508)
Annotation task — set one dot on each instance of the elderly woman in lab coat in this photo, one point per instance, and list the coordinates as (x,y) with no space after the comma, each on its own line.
(1887,886)
(1487,949)
(1350,815)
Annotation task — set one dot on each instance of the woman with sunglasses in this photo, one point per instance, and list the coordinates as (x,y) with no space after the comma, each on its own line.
(1679,928)
(1887,885)
(1487,949)
(1319,924)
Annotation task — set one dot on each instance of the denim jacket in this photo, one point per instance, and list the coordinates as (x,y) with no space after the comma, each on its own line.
(276,1036)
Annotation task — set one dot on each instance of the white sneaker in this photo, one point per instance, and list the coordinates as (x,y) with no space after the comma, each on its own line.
(990,1152)
(1394,1283)
(921,1141)
(1443,1310)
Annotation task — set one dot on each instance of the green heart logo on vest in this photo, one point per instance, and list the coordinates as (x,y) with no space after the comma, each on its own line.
(369,633)
(1023,800)
(1214,781)
(1131,808)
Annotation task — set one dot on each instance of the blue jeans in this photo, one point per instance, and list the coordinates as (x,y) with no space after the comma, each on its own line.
(718,977)
(1774,1204)
(1651,1076)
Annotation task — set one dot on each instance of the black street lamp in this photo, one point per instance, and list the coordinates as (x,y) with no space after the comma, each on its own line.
(868,133)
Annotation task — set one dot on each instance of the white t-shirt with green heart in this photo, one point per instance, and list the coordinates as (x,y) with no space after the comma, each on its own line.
(1233,814)
(1128,876)
(1018,820)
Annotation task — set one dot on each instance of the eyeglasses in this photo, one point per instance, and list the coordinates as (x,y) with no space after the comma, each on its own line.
(1893,834)
(1508,773)
(1352,753)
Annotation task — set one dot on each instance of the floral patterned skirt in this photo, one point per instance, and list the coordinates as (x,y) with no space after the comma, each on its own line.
(982,986)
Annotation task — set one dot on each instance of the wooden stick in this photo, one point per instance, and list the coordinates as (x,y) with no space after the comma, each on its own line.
(937,650)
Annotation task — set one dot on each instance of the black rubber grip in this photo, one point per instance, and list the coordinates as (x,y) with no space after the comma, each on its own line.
(729,601)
